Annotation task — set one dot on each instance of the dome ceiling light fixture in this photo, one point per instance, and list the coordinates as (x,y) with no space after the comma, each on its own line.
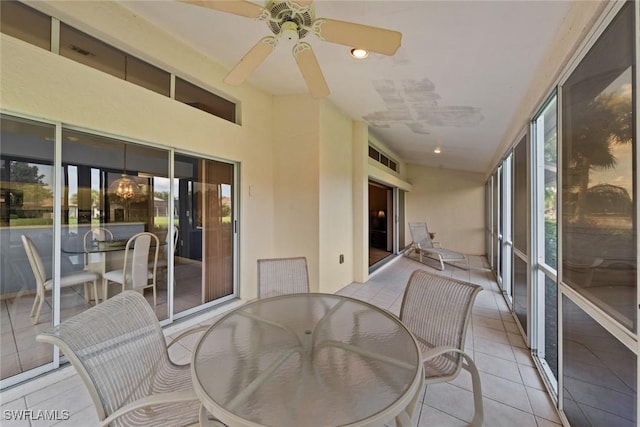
(437,150)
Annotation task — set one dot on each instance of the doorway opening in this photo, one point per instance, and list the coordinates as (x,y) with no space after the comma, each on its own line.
(381,230)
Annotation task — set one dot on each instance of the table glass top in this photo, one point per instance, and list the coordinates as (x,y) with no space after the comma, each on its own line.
(305,360)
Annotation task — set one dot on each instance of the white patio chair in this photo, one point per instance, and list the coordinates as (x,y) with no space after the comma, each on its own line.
(44,284)
(437,310)
(135,273)
(279,276)
(120,353)
(425,246)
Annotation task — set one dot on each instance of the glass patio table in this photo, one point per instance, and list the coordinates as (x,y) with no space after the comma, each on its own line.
(307,360)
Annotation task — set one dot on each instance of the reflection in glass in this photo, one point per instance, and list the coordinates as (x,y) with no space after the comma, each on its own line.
(546,127)
(203,199)
(599,234)
(520,300)
(551,325)
(92,164)
(599,373)
(26,208)
(520,195)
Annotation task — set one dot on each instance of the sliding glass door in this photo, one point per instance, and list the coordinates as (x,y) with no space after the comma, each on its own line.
(80,207)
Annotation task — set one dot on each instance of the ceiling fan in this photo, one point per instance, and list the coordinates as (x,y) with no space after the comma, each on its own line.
(293,20)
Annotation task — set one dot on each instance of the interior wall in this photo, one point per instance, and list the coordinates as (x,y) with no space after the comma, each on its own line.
(451,203)
(336,195)
(44,85)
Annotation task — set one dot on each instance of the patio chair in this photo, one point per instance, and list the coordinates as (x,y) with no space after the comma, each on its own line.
(44,284)
(279,276)
(136,273)
(425,246)
(437,310)
(119,351)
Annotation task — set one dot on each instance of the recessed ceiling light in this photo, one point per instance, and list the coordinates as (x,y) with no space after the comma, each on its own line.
(437,150)
(358,53)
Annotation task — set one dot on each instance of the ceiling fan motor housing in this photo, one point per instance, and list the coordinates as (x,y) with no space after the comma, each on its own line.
(288,18)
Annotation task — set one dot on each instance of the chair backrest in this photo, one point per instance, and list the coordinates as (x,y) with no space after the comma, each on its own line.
(278,276)
(167,239)
(97,233)
(136,257)
(437,310)
(35,261)
(116,347)
(420,234)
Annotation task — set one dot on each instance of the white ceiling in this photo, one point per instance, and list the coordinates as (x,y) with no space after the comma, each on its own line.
(455,82)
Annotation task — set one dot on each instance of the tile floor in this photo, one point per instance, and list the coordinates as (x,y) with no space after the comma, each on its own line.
(512,390)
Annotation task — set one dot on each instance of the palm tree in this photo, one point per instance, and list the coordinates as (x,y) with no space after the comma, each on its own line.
(601,123)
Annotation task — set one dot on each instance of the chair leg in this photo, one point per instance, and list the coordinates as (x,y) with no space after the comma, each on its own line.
(35,302)
(96,297)
(441,263)
(105,289)
(35,321)
(86,292)
(155,300)
(478,416)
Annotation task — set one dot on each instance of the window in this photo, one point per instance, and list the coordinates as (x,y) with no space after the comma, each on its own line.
(599,230)
(26,208)
(25,23)
(382,159)
(544,221)
(94,53)
(599,234)
(199,98)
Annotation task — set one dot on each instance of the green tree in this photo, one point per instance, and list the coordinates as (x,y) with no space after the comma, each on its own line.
(601,123)
(27,185)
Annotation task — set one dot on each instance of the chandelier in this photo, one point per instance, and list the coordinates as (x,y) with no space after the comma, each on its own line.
(124,187)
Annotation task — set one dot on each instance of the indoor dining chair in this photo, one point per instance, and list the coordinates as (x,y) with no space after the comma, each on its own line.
(93,235)
(119,351)
(135,273)
(44,284)
(437,311)
(279,276)
(165,255)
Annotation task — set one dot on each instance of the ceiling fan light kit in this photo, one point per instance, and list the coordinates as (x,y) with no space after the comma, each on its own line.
(293,20)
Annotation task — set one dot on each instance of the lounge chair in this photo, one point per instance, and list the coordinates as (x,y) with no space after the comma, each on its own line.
(423,244)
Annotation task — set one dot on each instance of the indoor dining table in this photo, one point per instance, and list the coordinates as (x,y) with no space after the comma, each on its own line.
(308,360)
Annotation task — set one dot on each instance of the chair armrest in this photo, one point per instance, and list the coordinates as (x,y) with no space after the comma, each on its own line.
(188,332)
(437,351)
(156,399)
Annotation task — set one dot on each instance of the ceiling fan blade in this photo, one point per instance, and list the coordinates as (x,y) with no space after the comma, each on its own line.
(310,69)
(251,60)
(236,7)
(374,39)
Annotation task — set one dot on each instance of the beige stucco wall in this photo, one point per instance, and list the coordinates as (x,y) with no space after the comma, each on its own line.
(296,180)
(336,199)
(451,203)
